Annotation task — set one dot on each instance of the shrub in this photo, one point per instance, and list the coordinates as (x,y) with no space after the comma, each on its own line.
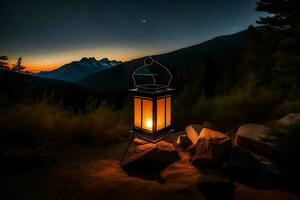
(45,121)
(229,111)
(244,107)
(101,126)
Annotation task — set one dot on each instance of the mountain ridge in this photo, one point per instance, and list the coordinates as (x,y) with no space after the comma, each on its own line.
(76,70)
(215,50)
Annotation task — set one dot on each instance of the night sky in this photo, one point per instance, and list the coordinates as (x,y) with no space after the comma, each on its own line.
(48,33)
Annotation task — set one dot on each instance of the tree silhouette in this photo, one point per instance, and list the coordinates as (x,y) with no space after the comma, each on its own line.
(285,13)
(284,21)
(3,63)
(18,67)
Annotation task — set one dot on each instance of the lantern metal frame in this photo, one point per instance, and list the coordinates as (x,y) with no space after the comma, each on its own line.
(153,91)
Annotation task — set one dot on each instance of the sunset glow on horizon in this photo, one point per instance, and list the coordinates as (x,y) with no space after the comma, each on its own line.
(48,34)
(52,61)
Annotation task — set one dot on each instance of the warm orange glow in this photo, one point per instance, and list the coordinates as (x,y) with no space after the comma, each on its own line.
(149,123)
(143,113)
(38,66)
(168,111)
(163,112)
(160,113)
(137,112)
(147,115)
(42,67)
(51,60)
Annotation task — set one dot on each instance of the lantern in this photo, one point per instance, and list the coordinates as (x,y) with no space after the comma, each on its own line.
(152,101)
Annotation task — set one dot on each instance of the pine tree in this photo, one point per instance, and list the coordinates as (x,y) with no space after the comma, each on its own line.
(285,21)
(3,63)
(18,67)
(284,13)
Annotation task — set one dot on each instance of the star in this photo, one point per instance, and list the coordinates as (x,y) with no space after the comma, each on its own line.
(144,21)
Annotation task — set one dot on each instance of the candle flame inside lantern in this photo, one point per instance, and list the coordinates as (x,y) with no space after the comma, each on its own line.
(149,123)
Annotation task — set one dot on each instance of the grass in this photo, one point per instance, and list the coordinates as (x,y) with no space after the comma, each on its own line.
(229,111)
(46,121)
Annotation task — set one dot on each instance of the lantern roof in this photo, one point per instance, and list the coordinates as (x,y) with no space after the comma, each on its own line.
(151,93)
(152,76)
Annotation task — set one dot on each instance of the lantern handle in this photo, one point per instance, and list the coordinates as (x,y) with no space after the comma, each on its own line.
(152,75)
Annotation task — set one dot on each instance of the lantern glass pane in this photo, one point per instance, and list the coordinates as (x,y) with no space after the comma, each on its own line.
(137,112)
(147,123)
(160,114)
(168,111)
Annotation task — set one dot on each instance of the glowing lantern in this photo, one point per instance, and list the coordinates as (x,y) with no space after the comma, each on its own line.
(152,101)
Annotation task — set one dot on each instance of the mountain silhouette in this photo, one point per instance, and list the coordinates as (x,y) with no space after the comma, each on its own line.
(216,50)
(76,70)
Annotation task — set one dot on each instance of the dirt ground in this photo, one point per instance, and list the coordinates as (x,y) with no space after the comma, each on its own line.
(82,172)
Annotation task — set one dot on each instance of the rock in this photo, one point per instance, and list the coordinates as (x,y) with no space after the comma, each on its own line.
(208,124)
(148,160)
(181,173)
(183,141)
(245,164)
(193,131)
(212,147)
(192,149)
(138,141)
(290,119)
(252,131)
(172,138)
(250,136)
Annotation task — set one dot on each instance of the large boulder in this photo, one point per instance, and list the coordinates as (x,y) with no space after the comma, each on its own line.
(251,136)
(193,131)
(251,167)
(290,119)
(148,160)
(173,137)
(212,147)
(183,141)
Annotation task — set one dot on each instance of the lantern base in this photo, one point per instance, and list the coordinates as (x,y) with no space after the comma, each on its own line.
(149,138)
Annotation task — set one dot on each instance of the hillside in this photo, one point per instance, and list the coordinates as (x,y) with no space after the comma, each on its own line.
(16,87)
(218,52)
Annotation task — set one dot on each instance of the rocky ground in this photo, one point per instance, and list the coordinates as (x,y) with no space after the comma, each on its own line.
(199,163)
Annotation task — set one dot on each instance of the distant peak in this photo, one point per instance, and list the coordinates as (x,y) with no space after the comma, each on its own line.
(85,59)
(104,60)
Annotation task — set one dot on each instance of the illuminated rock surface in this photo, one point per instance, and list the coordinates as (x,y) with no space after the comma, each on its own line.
(148,160)
(193,131)
(183,141)
(251,136)
(212,147)
(290,119)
